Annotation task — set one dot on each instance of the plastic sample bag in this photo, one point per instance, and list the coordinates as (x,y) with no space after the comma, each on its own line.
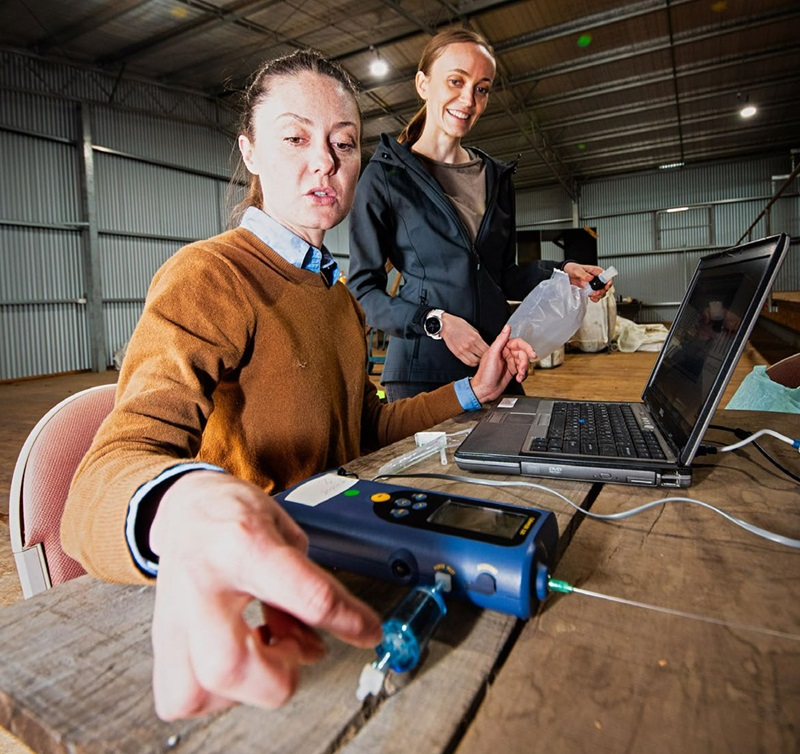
(550,314)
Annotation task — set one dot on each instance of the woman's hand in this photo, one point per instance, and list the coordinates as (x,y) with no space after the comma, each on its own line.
(581,274)
(463,340)
(507,357)
(223,542)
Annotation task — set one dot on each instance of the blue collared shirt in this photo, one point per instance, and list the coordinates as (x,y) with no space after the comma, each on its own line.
(292,248)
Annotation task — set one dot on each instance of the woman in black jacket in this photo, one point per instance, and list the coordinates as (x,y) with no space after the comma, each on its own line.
(444,216)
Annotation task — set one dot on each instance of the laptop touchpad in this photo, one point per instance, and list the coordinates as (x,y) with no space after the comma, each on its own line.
(512,417)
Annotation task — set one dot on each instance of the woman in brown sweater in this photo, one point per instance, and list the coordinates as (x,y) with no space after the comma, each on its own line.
(246,375)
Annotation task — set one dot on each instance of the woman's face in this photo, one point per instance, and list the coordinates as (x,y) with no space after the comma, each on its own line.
(306,152)
(457,90)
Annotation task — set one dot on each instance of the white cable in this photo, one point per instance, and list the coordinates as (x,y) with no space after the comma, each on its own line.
(756,435)
(752,528)
(691,616)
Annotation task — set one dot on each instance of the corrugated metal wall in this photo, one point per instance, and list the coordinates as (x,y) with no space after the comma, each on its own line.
(160,181)
(549,207)
(188,145)
(655,251)
(161,161)
(337,240)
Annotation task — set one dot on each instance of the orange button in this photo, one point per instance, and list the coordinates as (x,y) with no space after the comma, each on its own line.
(380,497)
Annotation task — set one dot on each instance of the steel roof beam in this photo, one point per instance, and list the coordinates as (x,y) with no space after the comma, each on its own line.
(214,17)
(87,25)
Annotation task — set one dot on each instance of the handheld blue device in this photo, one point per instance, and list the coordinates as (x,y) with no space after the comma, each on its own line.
(494,555)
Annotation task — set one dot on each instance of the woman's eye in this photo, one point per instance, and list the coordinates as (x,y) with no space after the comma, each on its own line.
(455,82)
(344,146)
(293,139)
(483,90)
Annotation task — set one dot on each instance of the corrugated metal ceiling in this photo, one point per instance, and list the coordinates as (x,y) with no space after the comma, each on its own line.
(586,89)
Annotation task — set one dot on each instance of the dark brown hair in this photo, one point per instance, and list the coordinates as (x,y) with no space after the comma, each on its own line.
(258,89)
(432,52)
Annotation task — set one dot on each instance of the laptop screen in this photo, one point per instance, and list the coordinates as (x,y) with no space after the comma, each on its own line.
(708,336)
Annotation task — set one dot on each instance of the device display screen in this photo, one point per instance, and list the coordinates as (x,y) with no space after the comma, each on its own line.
(703,339)
(491,521)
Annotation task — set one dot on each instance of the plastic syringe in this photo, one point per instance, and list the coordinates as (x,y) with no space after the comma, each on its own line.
(406,633)
(396,465)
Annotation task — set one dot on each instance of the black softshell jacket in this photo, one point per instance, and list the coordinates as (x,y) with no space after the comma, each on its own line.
(400,213)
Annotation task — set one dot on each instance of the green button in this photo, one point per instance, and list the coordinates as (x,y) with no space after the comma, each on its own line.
(352,493)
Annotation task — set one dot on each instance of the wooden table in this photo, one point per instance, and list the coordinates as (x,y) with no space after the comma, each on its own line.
(588,675)
(585,675)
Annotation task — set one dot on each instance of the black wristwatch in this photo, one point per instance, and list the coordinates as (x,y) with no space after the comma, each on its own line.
(433,324)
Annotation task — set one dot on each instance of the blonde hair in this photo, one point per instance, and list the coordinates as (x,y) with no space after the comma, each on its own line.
(432,52)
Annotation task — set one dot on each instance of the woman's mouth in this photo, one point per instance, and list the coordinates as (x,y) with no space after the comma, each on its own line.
(322,196)
(460,114)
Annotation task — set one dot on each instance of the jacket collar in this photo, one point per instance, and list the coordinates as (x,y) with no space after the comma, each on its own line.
(400,155)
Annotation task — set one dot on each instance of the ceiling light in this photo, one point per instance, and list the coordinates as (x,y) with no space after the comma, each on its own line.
(747,110)
(678,209)
(669,165)
(378,66)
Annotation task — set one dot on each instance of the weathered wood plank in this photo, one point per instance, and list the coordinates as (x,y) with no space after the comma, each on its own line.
(81,654)
(430,712)
(592,675)
(75,668)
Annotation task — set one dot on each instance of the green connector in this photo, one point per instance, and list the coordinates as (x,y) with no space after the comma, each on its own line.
(557,585)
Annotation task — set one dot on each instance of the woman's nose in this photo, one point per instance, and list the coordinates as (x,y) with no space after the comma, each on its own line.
(467,96)
(323,159)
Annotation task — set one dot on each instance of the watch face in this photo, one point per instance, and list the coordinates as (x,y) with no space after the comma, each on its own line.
(433,325)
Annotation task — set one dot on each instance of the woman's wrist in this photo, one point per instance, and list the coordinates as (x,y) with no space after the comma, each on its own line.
(482,395)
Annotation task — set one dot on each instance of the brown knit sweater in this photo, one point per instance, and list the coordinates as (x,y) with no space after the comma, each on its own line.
(242,360)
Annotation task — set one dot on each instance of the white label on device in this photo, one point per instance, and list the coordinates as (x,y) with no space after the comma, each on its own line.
(507,403)
(318,490)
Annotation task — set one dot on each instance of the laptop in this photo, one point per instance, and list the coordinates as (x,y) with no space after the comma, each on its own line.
(653,442)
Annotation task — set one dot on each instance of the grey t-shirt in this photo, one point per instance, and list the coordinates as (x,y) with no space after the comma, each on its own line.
(465,186)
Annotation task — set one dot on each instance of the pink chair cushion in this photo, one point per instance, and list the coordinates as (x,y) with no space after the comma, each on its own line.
(55,455)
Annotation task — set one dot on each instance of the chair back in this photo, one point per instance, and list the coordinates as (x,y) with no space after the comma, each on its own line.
(40,483)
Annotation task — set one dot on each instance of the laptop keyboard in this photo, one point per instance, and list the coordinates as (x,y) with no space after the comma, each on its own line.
(597,429)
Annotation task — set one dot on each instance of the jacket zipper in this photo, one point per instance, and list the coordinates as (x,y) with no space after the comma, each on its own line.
(446,205)
(490,205)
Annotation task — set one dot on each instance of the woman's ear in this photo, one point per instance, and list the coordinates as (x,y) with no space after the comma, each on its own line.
(421,83)
(246,148)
